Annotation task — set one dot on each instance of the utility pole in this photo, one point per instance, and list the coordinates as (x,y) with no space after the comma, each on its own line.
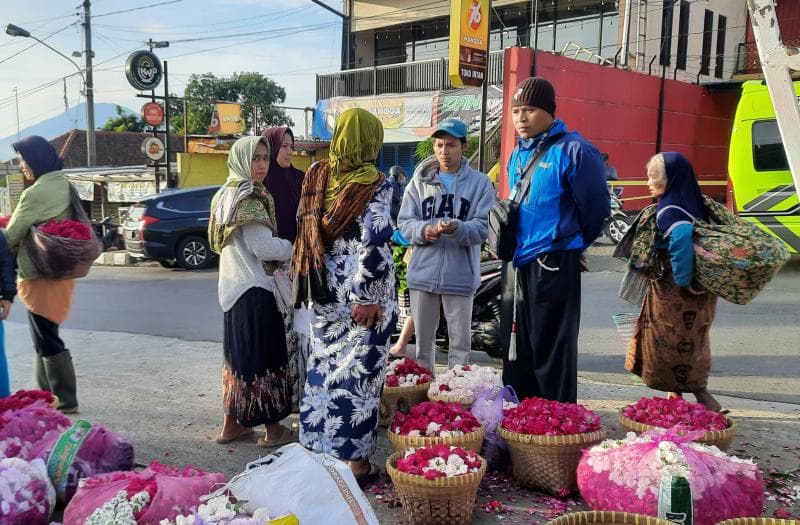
(91,149)
(16,101)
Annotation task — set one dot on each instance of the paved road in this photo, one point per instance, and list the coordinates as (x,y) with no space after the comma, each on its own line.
(756,347)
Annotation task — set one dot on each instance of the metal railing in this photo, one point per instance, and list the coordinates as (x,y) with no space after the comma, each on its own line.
(491,152)
(747,61)
(423,75)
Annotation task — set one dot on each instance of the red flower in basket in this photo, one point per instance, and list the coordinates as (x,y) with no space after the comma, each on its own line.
(542,417)
(4,220)
(407,372)
(669,412)
(435,419)
(67,229)
(23,398)
(439,461)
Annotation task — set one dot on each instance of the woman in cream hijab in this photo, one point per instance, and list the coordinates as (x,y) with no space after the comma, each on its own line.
(256,388)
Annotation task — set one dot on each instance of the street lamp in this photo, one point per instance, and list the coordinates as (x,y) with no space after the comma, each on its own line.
(14,30)
(157,45)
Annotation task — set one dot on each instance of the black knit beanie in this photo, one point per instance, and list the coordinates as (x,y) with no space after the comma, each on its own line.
(536,92)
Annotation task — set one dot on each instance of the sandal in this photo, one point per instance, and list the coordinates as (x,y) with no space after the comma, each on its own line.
(287,436)
(370,477)
(223,440)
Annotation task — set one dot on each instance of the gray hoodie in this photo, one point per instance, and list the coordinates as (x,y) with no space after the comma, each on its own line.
(451,265)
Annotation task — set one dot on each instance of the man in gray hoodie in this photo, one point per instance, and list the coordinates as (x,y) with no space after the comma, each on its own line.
(444,216)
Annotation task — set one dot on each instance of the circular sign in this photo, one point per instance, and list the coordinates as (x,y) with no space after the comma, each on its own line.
(153,113)
(153,148)
(143,70)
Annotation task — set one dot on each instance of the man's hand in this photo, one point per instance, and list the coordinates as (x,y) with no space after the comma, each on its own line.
(446,228)
(366,315)
(431,233)
(584,264)
(5,309)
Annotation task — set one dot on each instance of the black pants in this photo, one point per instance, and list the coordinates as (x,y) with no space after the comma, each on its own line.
(44,333)
(548,320)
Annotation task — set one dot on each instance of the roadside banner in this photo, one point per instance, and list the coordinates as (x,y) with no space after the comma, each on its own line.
(469,42)
(227,119)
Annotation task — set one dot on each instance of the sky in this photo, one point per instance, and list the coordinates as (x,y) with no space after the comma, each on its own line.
(294,40)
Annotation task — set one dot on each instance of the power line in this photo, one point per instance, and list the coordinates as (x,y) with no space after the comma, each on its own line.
(137,8)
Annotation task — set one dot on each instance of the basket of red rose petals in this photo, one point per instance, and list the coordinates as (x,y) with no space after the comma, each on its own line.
(436,484)
(436,423)
(602,517)
(406,385)
(546,439)
(661,412)
(63,249)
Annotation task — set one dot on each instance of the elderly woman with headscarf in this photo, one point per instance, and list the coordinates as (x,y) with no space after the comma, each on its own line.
(256,388)
(284,184)
(48,301)
(670,349)
(342,264)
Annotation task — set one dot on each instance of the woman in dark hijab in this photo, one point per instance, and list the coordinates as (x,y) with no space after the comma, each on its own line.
(285,181)
(670,349)
(48,301)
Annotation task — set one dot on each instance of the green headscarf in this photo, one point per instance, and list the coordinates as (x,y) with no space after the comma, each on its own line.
(357,139)
(241,200)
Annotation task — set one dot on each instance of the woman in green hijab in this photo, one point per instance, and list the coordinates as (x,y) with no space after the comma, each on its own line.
(342,264)
(256,388)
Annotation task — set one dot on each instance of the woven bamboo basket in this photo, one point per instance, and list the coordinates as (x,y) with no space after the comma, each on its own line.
(602,517)
(472,441)
(403,397)
(758,521)
(549,463)
(440,501)
(465,402)
(721,439)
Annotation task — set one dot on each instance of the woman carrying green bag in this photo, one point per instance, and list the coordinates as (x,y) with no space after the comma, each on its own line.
(670,348)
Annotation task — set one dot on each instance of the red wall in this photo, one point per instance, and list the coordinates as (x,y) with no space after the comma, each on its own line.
(617,111)
(788,20)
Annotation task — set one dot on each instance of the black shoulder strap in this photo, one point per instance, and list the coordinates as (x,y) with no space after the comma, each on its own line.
(527,174)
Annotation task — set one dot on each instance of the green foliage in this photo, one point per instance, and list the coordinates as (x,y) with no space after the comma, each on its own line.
(425,148)
(257,94)
(124,121)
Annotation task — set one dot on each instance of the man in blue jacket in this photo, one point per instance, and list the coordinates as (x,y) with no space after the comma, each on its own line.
(445,217)
(561,215)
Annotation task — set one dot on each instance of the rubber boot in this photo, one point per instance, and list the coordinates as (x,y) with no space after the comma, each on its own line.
(61,375)
(41,376)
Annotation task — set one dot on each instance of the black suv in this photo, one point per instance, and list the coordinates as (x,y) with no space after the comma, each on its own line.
(171,228)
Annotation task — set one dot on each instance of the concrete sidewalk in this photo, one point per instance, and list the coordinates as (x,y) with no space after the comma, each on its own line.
(164,394)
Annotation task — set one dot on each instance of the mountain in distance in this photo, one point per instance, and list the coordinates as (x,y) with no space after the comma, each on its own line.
(60,124)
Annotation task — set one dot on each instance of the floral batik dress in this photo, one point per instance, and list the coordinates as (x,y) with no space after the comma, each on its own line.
(347,365)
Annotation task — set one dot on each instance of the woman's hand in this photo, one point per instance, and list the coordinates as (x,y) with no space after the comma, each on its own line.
(366,315)
(5,309)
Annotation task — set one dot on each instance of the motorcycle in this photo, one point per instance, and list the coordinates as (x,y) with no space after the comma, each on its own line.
(110,234)
(616,224)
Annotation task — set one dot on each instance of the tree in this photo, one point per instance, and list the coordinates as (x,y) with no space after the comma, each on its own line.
(124,121)
(257,94)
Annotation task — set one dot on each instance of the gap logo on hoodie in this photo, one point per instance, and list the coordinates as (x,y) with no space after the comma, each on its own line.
(444,209)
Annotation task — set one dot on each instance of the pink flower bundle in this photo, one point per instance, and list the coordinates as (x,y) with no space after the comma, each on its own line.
(435,419)
(542,417)
(626,475)
(26,495)
(160,492)
(23,398)
(21,428)
(439,461)
(407,372)
(4,219)
(669,412)
(67,229)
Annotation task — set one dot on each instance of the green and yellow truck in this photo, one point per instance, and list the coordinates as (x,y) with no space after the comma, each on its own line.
(760,186)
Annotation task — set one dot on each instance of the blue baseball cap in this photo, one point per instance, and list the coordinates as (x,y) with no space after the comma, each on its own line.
(451,126)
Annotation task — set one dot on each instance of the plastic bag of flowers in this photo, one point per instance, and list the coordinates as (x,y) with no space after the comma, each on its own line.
(98,451)
(436,422)
(64,249)
(23,398)
(21,428)
(406,385)
(458,384)
(546,439)
(436,483)
(661,412)
(489,408)
(148,496)
(26,495)
(626,475)
(225,510)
